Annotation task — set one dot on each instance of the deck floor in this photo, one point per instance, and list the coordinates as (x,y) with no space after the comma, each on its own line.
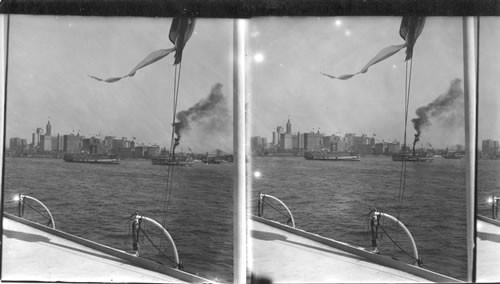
(487,252)
(284,257)
(30,254)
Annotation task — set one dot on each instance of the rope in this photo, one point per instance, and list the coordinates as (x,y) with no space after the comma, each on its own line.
(395,243)
(170,168)
(402,181)
(402,178)
(47,217)
(156,247)
(279,211)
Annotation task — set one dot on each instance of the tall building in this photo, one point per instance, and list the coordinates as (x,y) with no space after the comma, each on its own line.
(17,146)
(312,141)
(279,130)
(286,141)
(378,149)
(298,141)
(48,129)
(489,146)
(394,148)
(72,143)
(256,144)
(39,131)
(45,143)
(288,127)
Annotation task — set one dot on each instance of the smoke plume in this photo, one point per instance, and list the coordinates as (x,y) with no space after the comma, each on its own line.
(445,108)
(210,115)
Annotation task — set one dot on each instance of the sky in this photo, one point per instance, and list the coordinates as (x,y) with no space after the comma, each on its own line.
(287,56)
(51,58)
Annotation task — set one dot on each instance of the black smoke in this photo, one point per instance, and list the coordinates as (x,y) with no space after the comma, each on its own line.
(210,113)
(444,107)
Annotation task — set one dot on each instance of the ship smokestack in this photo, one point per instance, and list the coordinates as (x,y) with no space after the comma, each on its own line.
(210,113)
(444,104)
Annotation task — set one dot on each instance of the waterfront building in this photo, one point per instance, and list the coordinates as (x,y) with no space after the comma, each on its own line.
(60,143)
(298,141)
(139,152)
(364,149)
(264,142)
(54,143)
(152,151)
(331,143)
(489,146)
(45,143)
(93,146)
(279,130)
(312,141)
(393,148)
(378,149)
(38,132)
(256,144)
(285,142)
(17,146)
(72,143)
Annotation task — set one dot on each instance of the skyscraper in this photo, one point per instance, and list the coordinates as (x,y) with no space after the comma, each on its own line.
(288,127)
(48,129)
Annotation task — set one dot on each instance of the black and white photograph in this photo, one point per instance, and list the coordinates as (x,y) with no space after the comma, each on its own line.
(119,132)
(257,142)
(358,145)
(488,166)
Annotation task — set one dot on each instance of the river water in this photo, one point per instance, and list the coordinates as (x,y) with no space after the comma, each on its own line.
(328,198)
(333,199)
(93,201)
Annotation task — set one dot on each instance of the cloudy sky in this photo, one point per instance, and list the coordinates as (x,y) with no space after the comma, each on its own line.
(288,55)
(51,57)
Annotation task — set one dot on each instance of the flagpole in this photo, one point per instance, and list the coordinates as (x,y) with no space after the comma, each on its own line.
(239,139)
(470,92)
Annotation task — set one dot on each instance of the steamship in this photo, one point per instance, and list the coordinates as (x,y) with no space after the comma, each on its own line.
(92,158)
(411,158)
(183,161)
(331,156)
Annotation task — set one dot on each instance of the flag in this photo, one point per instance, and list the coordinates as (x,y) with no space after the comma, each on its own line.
(410,30)
(181,30)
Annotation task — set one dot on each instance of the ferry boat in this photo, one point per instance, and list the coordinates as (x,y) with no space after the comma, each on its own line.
(411,158)
(166,161)
(92,158)
(332,156)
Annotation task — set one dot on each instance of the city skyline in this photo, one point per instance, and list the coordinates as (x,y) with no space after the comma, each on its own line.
(289,128)
(47,78)
(288,56)
(99,135)
(51,58)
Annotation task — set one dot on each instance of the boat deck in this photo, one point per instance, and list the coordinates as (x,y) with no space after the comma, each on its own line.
(37,254)
(286,255)
(487,250)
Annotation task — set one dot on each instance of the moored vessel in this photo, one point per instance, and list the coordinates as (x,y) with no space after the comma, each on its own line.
(332,156)
(411,158)
(92,158)
(166,161)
